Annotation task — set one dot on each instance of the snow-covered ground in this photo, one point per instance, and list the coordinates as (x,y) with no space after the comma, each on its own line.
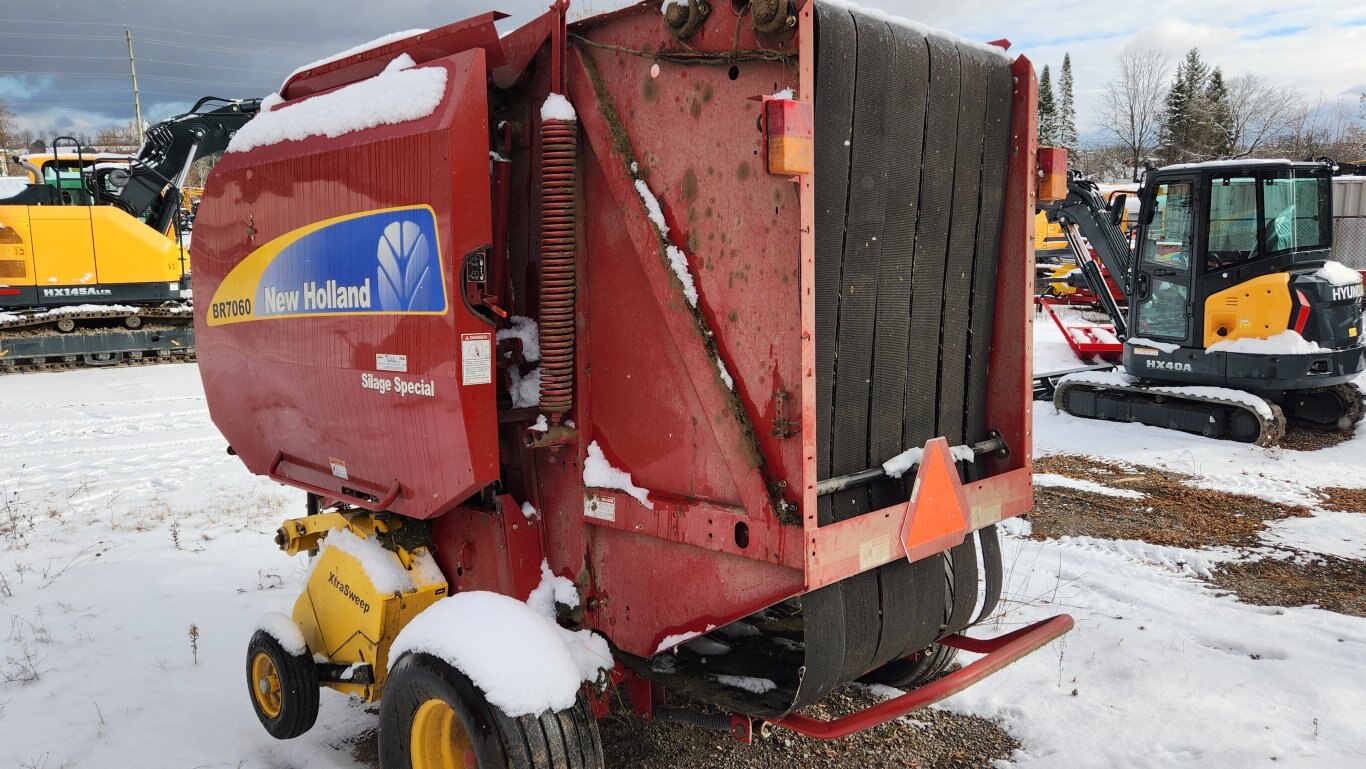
(124,524)
(12,185)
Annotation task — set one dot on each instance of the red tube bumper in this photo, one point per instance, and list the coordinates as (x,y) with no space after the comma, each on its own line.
(999,652)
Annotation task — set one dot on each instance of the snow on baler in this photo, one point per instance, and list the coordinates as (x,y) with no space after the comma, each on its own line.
(638,351)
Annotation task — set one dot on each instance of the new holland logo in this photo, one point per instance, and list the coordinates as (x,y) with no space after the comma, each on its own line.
(1167,365)
(405,267)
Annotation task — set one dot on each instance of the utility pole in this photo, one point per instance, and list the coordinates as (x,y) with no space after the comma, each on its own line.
(132,70)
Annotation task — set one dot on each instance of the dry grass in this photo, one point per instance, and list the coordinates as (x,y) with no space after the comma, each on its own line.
(1335,584)
(1344,499)
(1170,512)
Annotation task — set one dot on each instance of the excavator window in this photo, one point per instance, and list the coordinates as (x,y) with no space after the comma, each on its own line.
(1297,211)
(1169,236)
(1163,283)
(1232,221)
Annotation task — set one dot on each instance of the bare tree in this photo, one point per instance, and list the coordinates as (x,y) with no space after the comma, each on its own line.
(1324,128)
(1131,107)
(1262,113)
(8,137)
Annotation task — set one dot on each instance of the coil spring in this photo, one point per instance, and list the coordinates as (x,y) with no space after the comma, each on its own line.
(559,274)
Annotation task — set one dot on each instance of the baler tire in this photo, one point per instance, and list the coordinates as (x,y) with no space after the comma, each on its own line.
(294,701)
(913,671)
(427,692)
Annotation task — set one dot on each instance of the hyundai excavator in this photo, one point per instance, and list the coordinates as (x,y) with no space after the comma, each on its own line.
(1234,321)
(93,268)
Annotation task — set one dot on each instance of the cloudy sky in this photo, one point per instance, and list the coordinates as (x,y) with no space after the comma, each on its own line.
(64,67)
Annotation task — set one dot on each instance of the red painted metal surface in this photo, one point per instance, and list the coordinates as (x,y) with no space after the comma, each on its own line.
(294,385)
(1087,340)
(462,36)
(498,550)
(999,652)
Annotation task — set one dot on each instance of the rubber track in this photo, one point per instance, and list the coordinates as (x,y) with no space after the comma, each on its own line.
(1272,430)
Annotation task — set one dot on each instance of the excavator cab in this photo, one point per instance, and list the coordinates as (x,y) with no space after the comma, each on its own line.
(1218,248)
(1228,284)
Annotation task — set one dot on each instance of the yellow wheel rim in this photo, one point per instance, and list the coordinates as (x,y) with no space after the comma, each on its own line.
(265,684)
(439,739)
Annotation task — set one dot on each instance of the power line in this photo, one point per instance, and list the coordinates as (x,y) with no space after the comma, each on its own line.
(161,29)
(145,77)
(153,41)
(210,66)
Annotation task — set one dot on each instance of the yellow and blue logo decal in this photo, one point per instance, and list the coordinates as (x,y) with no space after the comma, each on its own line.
(385,262)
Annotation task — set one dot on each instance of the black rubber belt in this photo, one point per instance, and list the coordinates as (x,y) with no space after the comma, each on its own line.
(909,80)
(991,568)
(958,272)
(927,279)
(836,60)
(868,162)
(996,149)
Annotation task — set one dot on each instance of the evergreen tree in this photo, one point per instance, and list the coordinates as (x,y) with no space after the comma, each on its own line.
(1218,128)
(1048,111)
(1185,108)
(1067,110)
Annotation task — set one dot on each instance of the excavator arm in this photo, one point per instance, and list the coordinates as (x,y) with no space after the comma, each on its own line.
(152,192)
(1084,213)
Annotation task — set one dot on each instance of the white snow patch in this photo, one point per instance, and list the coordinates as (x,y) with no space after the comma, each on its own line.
(395,95)
(962,454)
(282,629)
(557,107)
(12,185)
(271,102)
(509,650)
(362,48)
(749,684)
(725,375)
(382,567)
(918,27)
(1167,347)
(899,464)
(552,590)
(541,424)
(1338,274)
(652,206)
(525,389)
(1050,480)
(679,262)
(1285,343)
(530,512)
(600,473)
(525,329)
(786,93)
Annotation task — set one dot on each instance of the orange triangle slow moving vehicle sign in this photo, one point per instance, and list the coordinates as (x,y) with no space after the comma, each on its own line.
(937,515)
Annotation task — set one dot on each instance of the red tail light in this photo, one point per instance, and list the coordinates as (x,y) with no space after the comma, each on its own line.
(1302,314)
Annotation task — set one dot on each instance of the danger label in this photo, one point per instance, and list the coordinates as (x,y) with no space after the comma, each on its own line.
(476,359)
(600,506)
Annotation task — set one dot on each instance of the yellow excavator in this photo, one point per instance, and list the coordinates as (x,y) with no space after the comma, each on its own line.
(1235,322)
(97,248)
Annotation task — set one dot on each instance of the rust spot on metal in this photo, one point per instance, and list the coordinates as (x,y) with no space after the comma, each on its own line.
(690,185)
(742,172)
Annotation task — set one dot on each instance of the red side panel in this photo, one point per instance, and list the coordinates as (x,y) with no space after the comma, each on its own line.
(335,344)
